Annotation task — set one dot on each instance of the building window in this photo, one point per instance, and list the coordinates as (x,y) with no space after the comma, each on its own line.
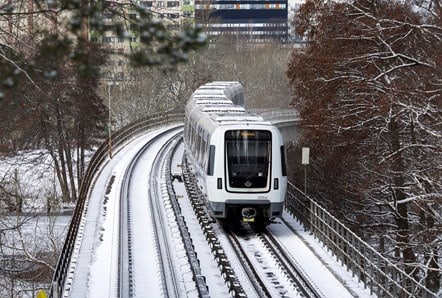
(133,27)
(107,39)
(108,27)
(173,27)
(173,3)
(146,3)
(52,4)
(107,16)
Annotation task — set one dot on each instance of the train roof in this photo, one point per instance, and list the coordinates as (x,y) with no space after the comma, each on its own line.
(221,103)
(222,83)
(209,92)
(213,102)
(202,95)
(223,118)
(221,109)
(231,90)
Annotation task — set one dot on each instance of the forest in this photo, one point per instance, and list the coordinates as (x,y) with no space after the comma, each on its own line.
(367,84)
(368,88)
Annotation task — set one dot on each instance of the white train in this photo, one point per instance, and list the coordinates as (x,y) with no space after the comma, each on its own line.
(240,157)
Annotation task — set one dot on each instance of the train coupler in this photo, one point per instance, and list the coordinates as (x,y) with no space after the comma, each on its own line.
(248,214)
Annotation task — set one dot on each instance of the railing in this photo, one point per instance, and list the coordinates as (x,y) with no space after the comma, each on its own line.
(376,272)
(278,116)
(119,138)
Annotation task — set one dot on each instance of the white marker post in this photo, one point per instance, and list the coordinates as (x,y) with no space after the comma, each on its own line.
(305,162)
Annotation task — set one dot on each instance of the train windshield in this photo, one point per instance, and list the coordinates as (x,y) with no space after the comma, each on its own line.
(248,155)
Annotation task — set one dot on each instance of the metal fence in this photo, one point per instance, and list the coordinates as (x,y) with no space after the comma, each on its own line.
(372,269)
(278,116)
(376,272)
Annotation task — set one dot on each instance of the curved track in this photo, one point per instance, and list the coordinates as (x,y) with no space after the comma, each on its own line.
(158,217)
(156,255)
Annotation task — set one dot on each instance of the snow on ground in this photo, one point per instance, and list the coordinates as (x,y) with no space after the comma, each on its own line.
(208,265)
(319,265)
(32,175)
(99,241)
(35,233)
(94,272)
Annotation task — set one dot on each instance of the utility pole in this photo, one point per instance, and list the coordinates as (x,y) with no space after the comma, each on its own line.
(305,162)
(110,121)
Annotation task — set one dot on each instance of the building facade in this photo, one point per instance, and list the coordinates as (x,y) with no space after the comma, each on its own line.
(256,20)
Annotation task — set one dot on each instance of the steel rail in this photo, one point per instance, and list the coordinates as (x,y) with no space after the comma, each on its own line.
(170,284)
(65,266)
(380,277)
(125,264)
(200,208)
(294,274)
(200,280)
(121,137)
(291,269)
(253,275)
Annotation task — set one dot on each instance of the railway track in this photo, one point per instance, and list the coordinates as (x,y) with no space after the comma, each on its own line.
(91,237)
(273,271)
(167,230)
(269,271)
(293,272)
(156,252)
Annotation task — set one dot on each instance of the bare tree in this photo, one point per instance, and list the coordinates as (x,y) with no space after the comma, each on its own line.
(367,86)
(63,115)
(260,68)
(48,102)
(23,24)
(29,248)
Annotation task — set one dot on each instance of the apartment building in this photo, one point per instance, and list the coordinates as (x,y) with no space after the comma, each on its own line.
(21,19)
(256,20)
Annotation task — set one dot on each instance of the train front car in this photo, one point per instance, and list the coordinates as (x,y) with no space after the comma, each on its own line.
(238,156)
(246,178)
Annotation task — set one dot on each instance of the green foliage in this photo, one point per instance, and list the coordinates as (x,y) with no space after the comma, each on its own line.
(156,46)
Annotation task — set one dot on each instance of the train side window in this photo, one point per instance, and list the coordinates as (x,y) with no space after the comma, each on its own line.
(283,165)
(211,165)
